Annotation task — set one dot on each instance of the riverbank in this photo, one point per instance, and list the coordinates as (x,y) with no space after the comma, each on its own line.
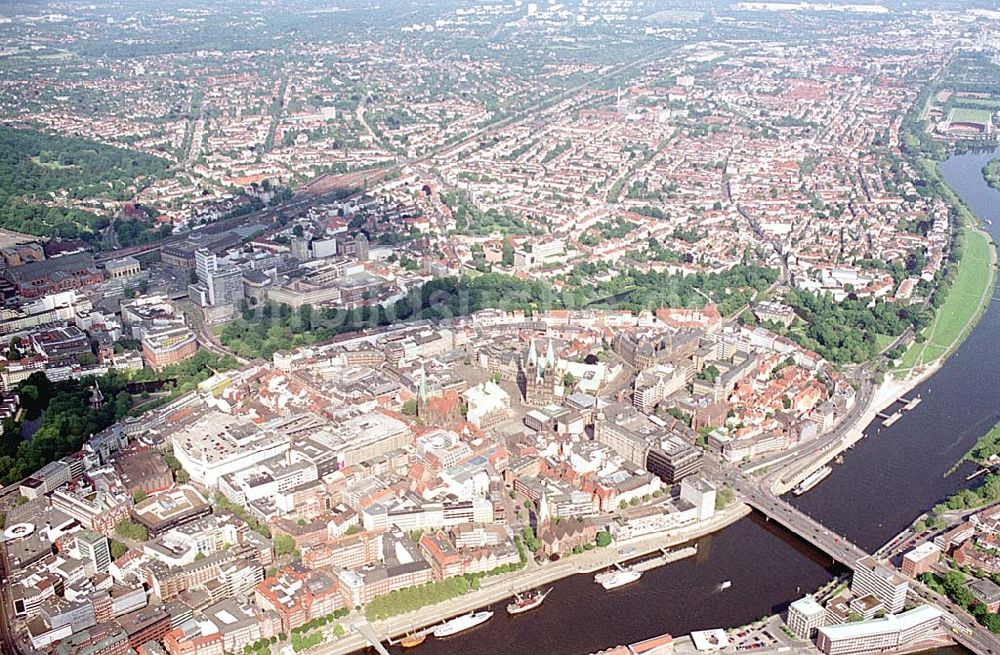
(953,322)
(533,576)
(890,391)
(966,303)
(968,297)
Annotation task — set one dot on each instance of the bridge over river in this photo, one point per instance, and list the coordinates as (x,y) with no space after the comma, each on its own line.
(963,628)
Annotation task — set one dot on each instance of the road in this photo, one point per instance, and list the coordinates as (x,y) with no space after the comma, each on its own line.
(206,338)
(759,494)
(498,589)
(761,498)
(911,537)
(6,631)
(801,457)
(965,629)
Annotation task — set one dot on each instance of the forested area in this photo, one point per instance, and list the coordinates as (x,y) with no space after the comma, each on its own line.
(69,420)
(41,173)
(846,332)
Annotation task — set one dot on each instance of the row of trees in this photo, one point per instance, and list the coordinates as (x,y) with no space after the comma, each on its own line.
(321,621)
(952,584)
(986,446)
(264,330)
(986,493)
(305,642)
(221,502)
(412,598)
(409,599)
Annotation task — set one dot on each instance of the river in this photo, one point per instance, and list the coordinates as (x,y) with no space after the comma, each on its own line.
(885,482)
(896,473)
(579,617)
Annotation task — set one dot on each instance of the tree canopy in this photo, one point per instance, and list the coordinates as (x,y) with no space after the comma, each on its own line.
(41,174)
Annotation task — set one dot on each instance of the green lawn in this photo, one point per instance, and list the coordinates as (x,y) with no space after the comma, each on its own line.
(883,340)
(969,115)
(968,297)
(956,316)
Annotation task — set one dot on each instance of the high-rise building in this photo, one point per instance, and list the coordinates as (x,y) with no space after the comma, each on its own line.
(94,550)
(300,248)
(361,247)
(226,287)
(217,285)
(205,264)
(673,460)
(805,617)
(700,493)
(873,578)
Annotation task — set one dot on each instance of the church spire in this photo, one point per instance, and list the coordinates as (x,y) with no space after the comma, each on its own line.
(422,387)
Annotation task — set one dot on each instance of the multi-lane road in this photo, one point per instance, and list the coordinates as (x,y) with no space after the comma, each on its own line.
(759,494)
(774,508)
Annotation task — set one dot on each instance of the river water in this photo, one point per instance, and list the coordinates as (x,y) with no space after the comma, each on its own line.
(896,473)
(886,481)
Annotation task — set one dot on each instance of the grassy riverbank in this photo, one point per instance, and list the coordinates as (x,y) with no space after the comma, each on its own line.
(965,303)
(987,446)
(967,298)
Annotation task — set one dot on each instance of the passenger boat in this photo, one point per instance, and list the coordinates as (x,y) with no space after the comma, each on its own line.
(725,585)
(814,478)
(526,602)
(620,579)
(462,623)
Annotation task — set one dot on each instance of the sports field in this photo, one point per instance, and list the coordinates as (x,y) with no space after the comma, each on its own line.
(970,115)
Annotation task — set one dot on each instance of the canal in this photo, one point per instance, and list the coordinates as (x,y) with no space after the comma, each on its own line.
(886,481)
